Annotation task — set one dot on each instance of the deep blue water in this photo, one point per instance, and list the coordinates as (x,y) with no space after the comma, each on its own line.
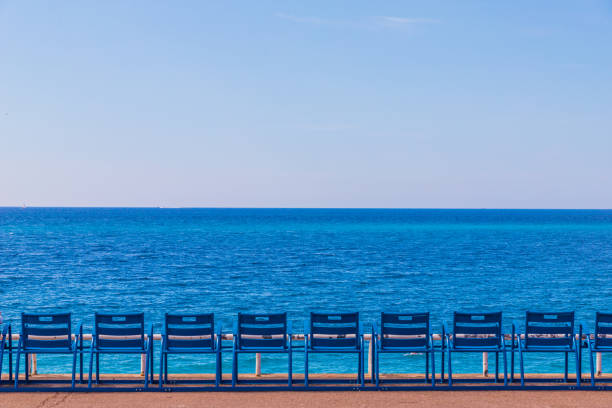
(297,260)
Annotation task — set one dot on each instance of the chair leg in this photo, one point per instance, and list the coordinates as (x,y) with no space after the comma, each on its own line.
(433,368)
(592,366)
(27,367)
(450,369)
(426,367)
(565,372)
(235,369)
(305,366)
(290,368)
(146,370)
(512,362)
(359,367)
(150,356)
(17,367)
(376,366)
(74,359)
(496,366)
(362,373)
(578,371)
(505,357)
(219,369)
(97,368)
(89,378)
(522,368)
(442,362)
(161,370)
(166,368)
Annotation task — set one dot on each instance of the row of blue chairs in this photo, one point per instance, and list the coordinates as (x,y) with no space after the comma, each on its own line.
(323,333)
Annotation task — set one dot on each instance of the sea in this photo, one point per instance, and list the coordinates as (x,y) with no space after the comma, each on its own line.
(225,261)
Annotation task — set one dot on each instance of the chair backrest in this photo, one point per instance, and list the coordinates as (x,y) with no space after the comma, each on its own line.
(404,330)
(477,330)
(549,329)
(190,331)
(46,331)
(603,329)
(339,330)
(121,331)
(268,331)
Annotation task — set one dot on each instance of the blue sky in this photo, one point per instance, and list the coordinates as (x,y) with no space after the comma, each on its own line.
(480,104)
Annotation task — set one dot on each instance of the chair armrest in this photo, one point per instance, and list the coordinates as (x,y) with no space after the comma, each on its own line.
(150,334)
(79,330)
(585,329)
(516,327)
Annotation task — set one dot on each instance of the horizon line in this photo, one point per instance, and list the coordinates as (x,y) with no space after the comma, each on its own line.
(301,208)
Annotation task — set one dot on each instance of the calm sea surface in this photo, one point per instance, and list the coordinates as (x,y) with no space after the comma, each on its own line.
(230,260)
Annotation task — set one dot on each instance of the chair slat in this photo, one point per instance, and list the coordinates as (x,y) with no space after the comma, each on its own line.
(278,318)
(47,331)
(531,329)
(552,317)
(338,330)
(399,343)
(548,342)
(263,331)
(190,319)
(477,329)
(115,343)
(46,318)
(330,343)
(191,331)
(130,318)
(120,331)
(334,317)
(603,342)
(477,317)
(404,318)
(604,329)
(191,343)
(253,343)
(603,317)
(48,344)
(476,342)
(404,330)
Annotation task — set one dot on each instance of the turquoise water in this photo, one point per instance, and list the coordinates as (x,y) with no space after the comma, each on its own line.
(230,260)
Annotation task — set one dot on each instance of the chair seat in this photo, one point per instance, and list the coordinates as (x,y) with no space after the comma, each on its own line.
(50,350)
(546,348)
(405,349)
(477,349)
(119,350)
(334,349)
(176,350)
(263,349)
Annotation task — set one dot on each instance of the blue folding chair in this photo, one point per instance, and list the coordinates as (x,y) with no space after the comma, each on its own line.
(121,334)
(334,333)
(548,333)
(189,334)
(475,333)
(46,334)
(3,345)
(262,333)
(601,341)
(403,333)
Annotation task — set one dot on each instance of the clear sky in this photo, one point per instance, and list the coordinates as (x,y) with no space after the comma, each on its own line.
(496,104)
